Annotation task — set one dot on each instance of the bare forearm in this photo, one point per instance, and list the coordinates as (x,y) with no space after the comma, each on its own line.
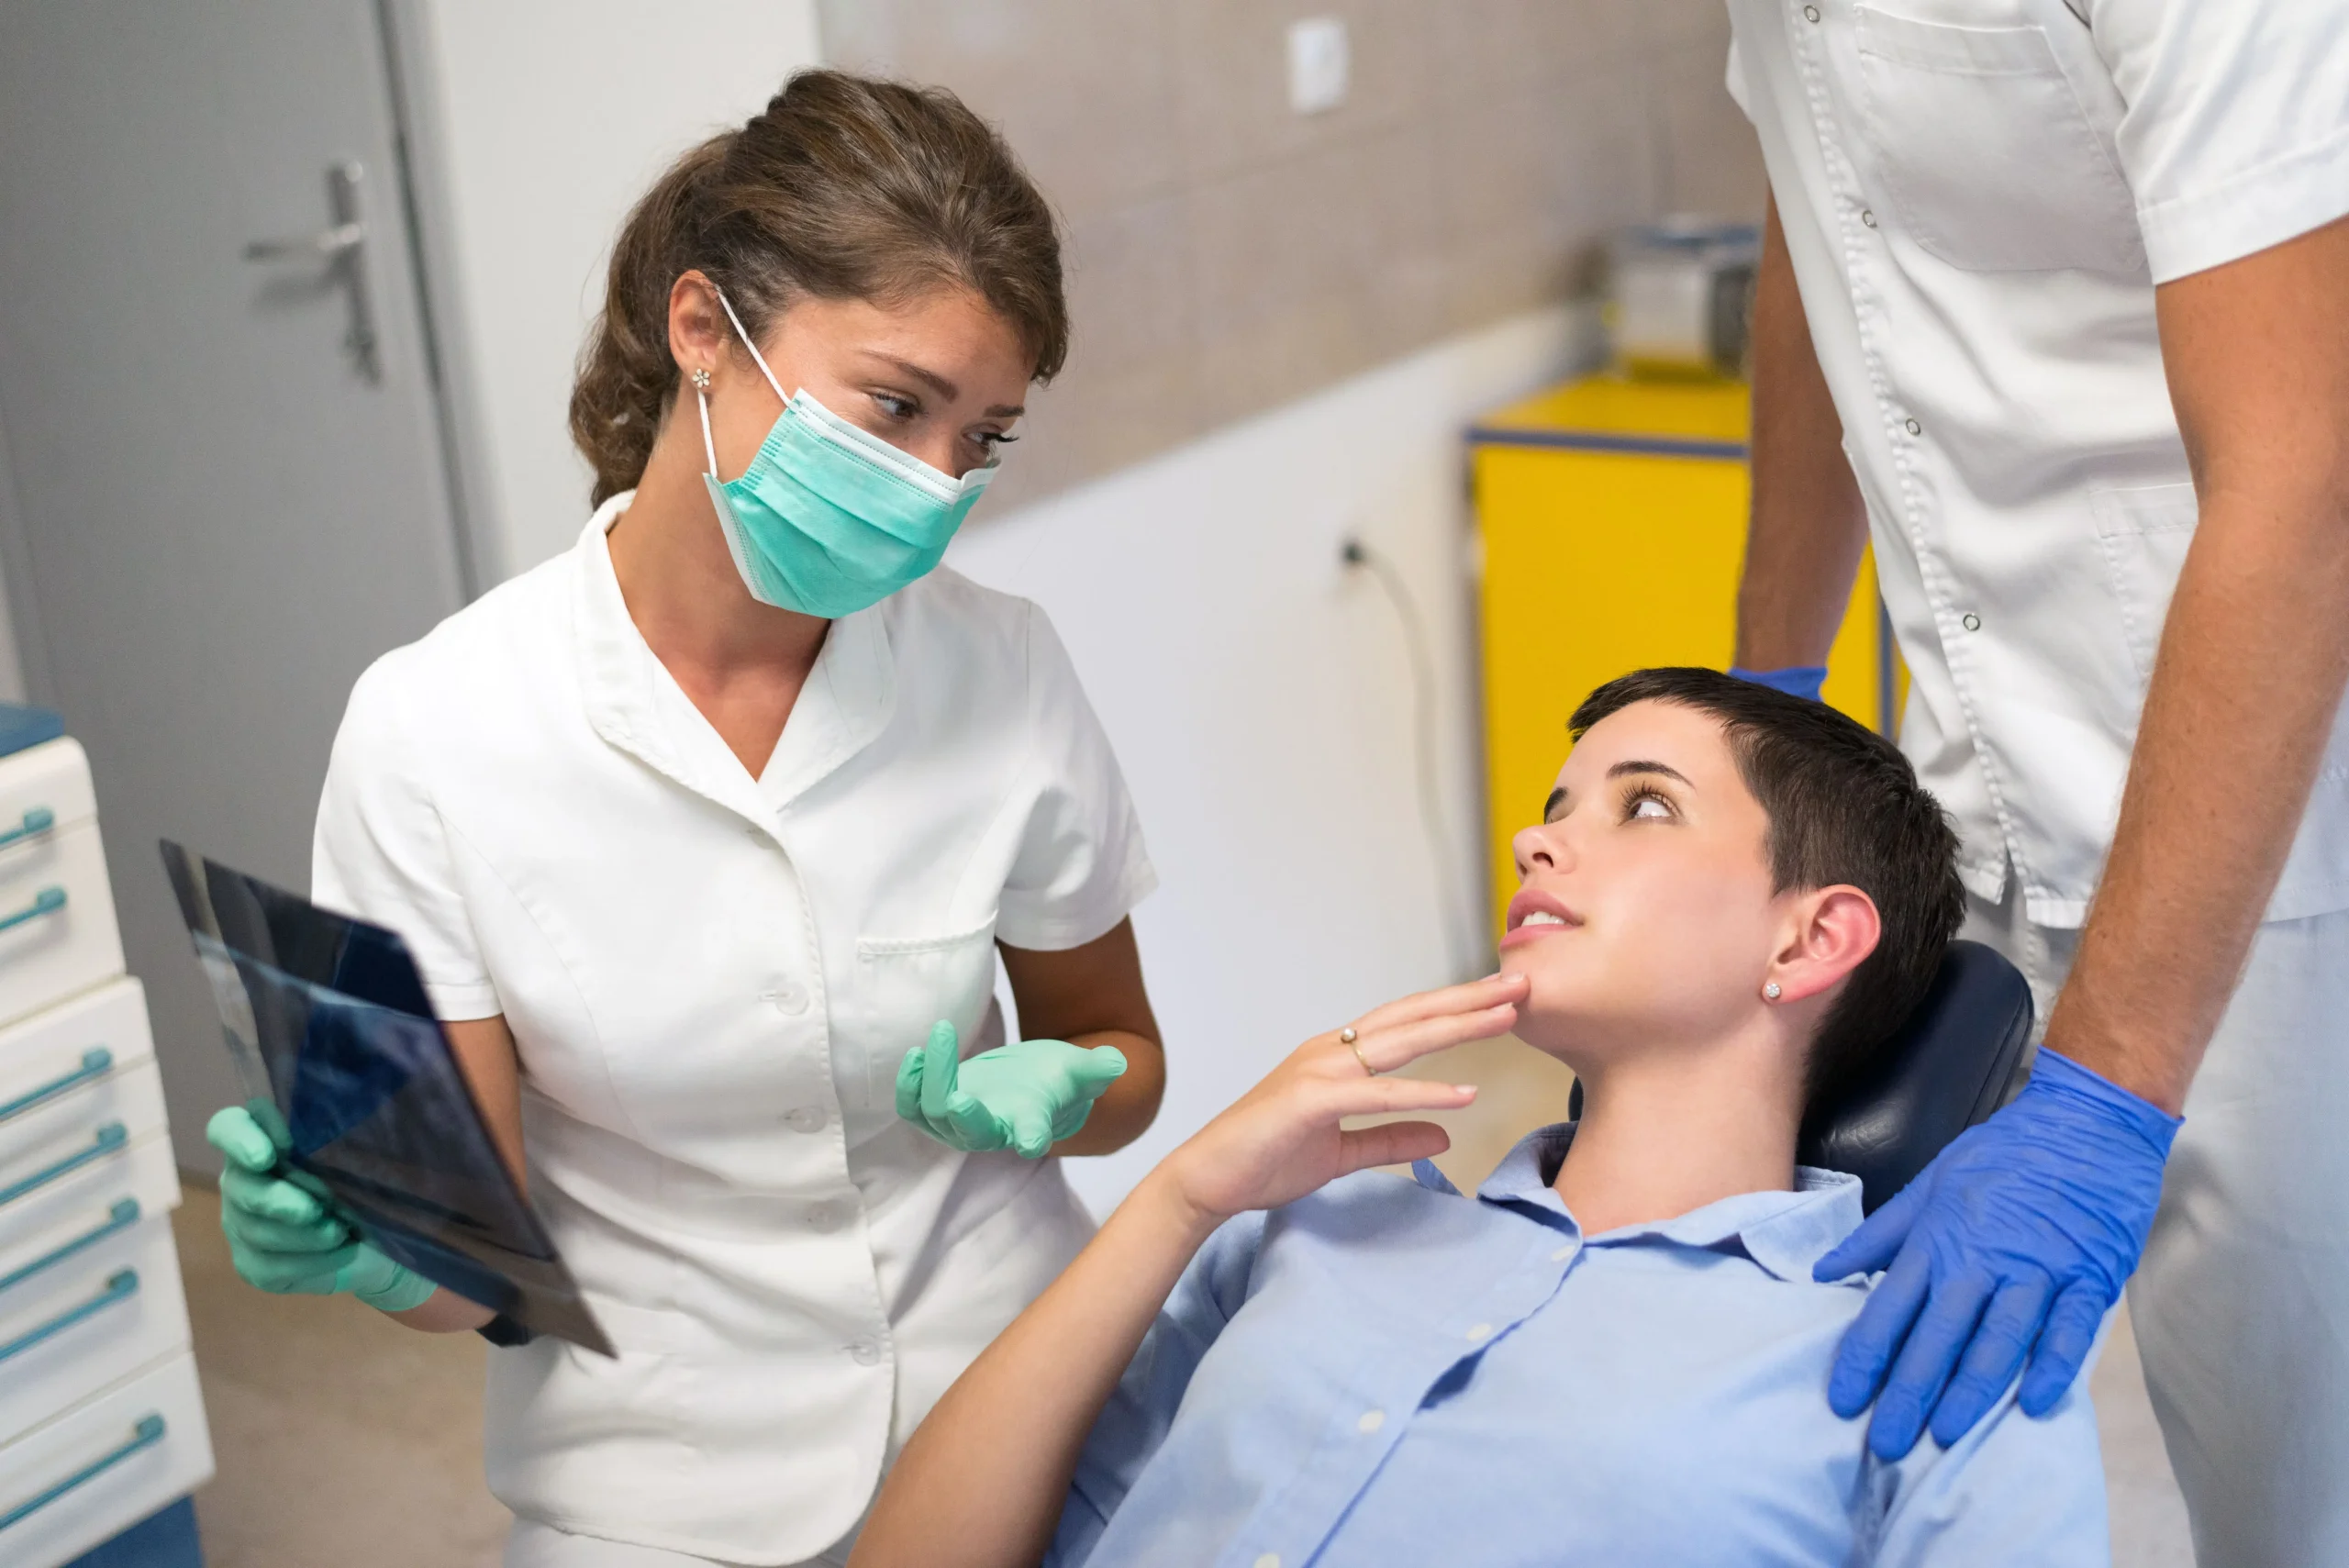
(1125,1111)
(2252,668)
(982,1483)
(1808,527)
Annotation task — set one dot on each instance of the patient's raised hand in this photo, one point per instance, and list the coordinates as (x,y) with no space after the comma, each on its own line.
(1283,1139)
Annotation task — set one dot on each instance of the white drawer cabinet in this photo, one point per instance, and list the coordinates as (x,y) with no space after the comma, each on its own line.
(78,1480)
(101,1423)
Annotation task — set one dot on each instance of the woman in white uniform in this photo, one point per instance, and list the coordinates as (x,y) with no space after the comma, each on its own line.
(707,836)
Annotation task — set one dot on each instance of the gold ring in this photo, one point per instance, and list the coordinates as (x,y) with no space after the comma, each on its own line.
(1346,1037)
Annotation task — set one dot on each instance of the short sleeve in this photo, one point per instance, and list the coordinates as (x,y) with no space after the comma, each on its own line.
(1735,80)
(382,852)
(1135,1420)
(2236,131)
(2014,1490)
(1081,866)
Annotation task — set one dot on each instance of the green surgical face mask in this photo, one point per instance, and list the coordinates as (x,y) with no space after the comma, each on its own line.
(831,518)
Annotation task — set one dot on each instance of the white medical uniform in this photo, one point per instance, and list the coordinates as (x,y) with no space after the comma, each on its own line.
(711,980)
(1978,198)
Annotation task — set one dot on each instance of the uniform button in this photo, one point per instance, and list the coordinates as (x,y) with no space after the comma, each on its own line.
(1561,1255)
(1370,1420)
(1914,428)
(1480,1333)
(865,1352)
(1810,13)
(1270,1560)
(828,1216)
(1868,215)
(1970,621)
(790,999)
(806,1119)
(752,834)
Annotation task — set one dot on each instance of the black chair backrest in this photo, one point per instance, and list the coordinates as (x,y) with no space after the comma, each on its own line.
(1962,1053)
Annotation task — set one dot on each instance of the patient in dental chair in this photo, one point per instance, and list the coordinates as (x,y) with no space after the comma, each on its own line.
(1615,1352)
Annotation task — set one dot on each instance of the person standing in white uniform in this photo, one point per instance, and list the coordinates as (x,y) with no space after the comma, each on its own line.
(707,836)
(2054,307)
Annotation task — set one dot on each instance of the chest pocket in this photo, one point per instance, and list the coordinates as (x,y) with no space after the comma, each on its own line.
(1989,159)
(906,985)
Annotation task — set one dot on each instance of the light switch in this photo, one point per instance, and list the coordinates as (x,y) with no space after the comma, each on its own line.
(1318,64)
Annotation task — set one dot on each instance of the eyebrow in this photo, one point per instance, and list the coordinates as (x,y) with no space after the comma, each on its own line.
(1637,765)
(943,387)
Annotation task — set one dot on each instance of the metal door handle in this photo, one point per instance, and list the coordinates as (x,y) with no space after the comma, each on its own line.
(95,1064)
(121,1286)
(120,1218)
(147,1433)
(343,249)
(325,245)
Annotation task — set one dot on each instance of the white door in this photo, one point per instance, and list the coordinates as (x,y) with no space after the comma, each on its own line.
(222,485)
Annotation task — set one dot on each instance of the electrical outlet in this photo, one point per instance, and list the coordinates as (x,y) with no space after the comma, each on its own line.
(1319,63)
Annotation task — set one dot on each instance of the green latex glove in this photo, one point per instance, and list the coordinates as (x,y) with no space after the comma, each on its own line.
(285,1235)
(1025,1096)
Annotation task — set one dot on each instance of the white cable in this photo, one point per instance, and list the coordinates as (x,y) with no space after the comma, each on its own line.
(1422,658)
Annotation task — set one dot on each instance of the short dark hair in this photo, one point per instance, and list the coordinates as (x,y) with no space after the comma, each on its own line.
(1843,807)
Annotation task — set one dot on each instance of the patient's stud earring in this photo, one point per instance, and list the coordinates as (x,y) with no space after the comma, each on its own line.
(1772,991)
(701,379)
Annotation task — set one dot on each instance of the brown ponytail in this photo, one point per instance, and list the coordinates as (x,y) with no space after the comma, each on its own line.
(842,188)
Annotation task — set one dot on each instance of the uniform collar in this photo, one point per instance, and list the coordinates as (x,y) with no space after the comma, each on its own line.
(1785,1232)
(847,701)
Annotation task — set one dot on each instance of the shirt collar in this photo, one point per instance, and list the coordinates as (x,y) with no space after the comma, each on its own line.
(844,705)
(1785,1232)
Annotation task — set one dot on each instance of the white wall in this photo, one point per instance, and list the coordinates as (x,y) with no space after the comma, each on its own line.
(541,121)
(1259,697)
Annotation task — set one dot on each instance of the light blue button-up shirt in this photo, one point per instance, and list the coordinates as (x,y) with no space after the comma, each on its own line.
(1388,1373)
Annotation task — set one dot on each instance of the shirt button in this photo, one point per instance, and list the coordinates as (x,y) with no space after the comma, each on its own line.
(1970,621)
(1914,428)
(827,1216)
(1480,1333)
(789,1000)
(865,1352)
(1561,1255)
(1370,1420)
(806,1119)
(1868,215)
(1270,1560)
(1810,13)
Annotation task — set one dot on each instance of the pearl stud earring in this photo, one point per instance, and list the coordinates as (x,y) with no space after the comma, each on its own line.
(1772,991)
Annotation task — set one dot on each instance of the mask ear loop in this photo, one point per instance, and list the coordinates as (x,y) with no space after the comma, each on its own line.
(756,358)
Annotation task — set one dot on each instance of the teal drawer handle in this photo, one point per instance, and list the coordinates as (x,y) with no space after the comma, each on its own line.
(146,1434)
(121,1286)
(48,901)
(94,1063)
(109,1139)
(39,820)
(120,1218)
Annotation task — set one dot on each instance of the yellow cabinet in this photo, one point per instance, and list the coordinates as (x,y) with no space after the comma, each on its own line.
(1612,522)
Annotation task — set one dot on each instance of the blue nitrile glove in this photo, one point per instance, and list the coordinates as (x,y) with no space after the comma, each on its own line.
(1025,1096)
(2015,1240)
(285,1234)
(1794,680)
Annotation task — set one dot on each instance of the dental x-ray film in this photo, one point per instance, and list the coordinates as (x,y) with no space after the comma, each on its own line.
(328,1023)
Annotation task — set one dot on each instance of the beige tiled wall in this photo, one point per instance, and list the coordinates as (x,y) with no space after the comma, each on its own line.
(1228,255)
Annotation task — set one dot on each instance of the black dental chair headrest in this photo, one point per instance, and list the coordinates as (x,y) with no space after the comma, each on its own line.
(1961,1055)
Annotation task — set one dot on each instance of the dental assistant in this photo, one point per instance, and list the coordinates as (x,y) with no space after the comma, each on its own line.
(2055,307)
(707,837)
